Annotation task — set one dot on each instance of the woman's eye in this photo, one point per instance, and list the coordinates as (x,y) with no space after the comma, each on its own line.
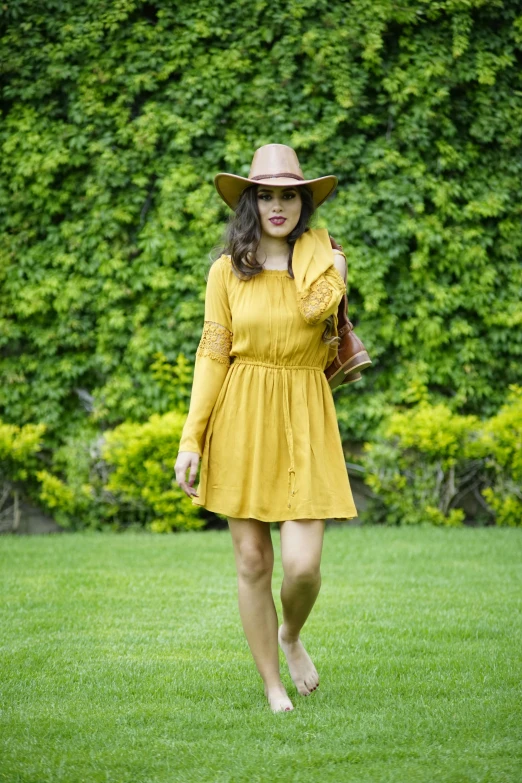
(265,196)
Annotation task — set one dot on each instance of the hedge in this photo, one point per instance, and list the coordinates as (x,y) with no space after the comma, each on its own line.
(115,118)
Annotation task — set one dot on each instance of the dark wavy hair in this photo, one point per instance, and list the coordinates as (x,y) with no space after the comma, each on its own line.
(242,235)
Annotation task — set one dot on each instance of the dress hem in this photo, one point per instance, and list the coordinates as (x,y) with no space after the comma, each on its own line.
(273,521)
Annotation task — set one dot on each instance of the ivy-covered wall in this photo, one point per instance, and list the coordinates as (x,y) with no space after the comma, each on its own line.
(114,118)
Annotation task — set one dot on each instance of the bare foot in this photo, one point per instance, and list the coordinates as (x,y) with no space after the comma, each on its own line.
(278,698)
(302,670)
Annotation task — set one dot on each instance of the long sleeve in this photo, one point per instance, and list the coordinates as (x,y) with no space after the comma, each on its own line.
(322,298)
(319,286)
(212,360)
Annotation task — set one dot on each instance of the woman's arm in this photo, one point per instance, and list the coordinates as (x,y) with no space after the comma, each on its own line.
(212,360)
(322,298)
(340,265)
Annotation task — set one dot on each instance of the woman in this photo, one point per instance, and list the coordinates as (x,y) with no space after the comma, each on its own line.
(262,417)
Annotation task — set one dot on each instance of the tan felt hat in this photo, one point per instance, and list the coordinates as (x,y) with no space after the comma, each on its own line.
(276,165)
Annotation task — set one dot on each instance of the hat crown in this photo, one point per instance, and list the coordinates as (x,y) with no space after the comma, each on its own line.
(275,160)
(273,165)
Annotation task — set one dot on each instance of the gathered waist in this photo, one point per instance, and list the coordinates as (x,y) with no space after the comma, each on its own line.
(272,366)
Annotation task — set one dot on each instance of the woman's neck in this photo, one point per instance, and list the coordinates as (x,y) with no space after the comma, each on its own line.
(273,251)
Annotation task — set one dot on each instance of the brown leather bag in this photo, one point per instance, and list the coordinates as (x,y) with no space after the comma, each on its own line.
(352,356)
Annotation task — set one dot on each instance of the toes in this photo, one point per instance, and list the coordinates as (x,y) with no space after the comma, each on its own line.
(312,682)
(283,707)
(279,702)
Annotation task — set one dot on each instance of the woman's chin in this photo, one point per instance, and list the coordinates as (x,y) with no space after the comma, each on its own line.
(277,232)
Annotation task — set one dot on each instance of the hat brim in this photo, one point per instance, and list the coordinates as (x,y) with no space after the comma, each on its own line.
(231,186)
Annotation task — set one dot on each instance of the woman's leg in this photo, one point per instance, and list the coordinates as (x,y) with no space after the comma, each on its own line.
(254,554)
(301,549)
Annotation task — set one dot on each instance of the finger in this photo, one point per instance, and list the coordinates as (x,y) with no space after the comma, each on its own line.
(193,473)
(189,491)
(180,472)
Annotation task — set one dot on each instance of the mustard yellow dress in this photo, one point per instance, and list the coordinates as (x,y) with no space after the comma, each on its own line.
(262,415)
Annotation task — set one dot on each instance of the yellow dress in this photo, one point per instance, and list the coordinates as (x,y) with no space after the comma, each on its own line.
(262,415)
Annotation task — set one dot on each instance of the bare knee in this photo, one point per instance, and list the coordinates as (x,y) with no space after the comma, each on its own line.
(254,563)
(303,572)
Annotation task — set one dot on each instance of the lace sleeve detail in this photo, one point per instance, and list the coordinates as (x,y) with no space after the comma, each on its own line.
(322,297)
(216,342)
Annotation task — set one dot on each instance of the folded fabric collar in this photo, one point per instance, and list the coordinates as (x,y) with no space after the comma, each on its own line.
(311,257)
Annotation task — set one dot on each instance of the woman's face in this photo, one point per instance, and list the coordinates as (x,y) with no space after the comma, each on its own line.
(275,203)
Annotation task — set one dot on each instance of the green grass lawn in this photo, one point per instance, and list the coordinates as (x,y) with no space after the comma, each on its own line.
(124,659)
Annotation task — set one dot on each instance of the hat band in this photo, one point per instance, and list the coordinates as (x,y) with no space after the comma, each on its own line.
(275,176)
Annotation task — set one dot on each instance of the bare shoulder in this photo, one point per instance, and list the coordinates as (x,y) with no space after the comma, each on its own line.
(340,263)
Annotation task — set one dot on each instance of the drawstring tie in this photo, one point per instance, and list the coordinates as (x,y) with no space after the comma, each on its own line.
(289,437)
(285,368)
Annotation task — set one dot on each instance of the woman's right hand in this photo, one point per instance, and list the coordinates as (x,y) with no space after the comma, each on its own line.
(185,460)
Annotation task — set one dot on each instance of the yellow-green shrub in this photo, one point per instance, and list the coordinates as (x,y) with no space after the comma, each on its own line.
(55,494)
(18,449)
(122,479)
(500,444)
(428,458)
(21,456)
(415,467)
(142,457)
